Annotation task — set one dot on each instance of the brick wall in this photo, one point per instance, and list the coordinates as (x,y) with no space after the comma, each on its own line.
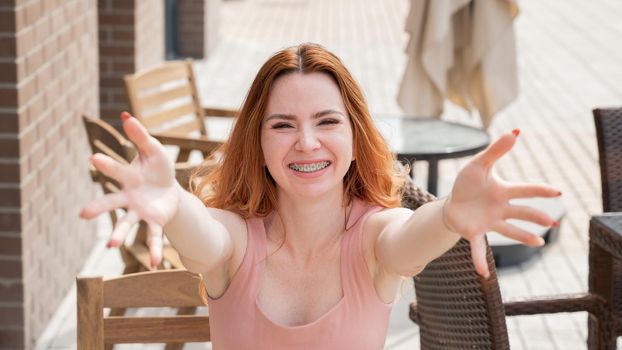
(197,32)
(131,38)
(48,78)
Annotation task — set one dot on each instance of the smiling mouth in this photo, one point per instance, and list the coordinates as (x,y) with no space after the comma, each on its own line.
(309,167)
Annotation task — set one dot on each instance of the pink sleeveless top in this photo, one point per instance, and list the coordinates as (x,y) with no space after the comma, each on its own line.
(358,321)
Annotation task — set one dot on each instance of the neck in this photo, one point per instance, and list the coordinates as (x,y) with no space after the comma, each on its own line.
(308,228)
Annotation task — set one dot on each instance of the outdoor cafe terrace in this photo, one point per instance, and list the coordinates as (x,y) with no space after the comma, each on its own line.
(569,56)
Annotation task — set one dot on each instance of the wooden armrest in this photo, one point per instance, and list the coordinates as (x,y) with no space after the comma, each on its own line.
(183,170)
(219,112)
(199,143)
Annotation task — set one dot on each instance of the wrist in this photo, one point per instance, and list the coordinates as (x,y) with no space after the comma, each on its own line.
(444,218)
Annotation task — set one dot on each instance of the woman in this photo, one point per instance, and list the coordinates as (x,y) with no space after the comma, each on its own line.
(298,231)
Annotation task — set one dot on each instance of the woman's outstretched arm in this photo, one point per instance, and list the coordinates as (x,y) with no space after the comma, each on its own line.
(479,202)
(150,193)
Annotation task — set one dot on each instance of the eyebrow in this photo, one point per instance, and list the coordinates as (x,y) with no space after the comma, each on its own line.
(293,117)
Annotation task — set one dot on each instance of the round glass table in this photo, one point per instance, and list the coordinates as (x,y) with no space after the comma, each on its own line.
(431,140)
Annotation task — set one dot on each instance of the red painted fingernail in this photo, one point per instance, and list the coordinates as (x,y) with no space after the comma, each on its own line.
(555,224)
(125,116)
(559,193)
(516,132)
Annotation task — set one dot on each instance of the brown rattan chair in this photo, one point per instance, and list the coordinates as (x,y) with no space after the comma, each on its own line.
(608,122)
(166,100)
(154,289)
(608,281)
(455,308)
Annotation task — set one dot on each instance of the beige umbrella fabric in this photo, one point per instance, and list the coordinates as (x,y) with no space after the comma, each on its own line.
(463,50)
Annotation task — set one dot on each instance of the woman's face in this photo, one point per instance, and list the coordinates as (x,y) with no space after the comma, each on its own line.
(306,135)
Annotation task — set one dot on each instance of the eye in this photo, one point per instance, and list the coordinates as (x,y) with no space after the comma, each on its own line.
(281,126)
(329,121)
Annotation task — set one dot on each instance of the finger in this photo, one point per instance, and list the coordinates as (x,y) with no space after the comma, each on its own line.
(525,213)
(137,133)
(496,150)
(154,241)
(122,228)
(103,204)
(532,190)
(478,254)
(518,234)
(109,166)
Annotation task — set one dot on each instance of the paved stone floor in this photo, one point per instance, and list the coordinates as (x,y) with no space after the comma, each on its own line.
(569,55)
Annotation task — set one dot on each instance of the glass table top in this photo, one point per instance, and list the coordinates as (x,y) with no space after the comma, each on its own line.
(430,137)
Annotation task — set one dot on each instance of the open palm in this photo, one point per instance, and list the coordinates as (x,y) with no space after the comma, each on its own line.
(479,202)
(148,192)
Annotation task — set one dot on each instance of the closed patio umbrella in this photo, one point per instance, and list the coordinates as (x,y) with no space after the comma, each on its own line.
(463,50)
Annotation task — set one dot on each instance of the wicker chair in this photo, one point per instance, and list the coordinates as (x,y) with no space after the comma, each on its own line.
(608,122)
(457,309)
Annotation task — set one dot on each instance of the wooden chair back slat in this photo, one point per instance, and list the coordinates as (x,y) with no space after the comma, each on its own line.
(162,74)
(157,120)
(165,289)
(173,329)
(160,97)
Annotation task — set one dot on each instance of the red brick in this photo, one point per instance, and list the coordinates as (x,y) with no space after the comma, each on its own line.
(33,12)
(116,19)
(12,291)
(8,122)
(123,35)
(8,97)
(25,41)
(9,198)
(27,139)
(12,338)
(8,72)
(11,316)
(109,51)
(8,47)
(7,20)
(42,30)
(26,91)
(34,60)
(115,82)
(9,172)
(9,148)
(10,268)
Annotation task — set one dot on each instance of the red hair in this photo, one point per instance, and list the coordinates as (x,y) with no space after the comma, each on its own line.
(240,182)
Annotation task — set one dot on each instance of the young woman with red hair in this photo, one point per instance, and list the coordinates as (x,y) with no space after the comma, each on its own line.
(298,231)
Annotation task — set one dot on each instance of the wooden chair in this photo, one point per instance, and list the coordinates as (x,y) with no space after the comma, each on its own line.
(103,138)
(166,288)
(165,99)
(457,309)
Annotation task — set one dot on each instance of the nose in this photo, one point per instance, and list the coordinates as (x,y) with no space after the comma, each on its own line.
(307,140)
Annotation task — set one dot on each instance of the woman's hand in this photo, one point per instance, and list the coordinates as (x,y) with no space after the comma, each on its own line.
(479,203)
(149,190)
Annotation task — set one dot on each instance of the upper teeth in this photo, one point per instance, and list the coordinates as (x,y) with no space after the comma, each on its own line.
(309,167)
